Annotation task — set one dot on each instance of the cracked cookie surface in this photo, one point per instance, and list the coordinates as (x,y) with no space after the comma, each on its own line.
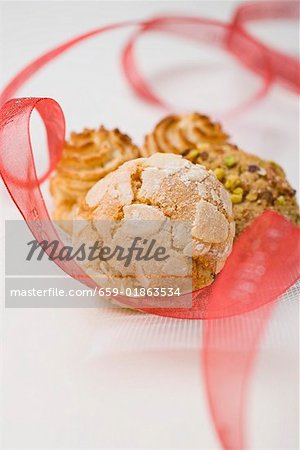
(171,199)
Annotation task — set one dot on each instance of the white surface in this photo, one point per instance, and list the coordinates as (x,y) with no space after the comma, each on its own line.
(68,382)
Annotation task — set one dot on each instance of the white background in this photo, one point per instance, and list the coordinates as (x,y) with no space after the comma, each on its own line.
(99,379)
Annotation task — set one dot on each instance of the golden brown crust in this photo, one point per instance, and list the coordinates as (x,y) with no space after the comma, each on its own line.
(177,133)
(87,157)
(168,187)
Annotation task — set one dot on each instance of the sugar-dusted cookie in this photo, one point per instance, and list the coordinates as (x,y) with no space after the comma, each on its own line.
(162,188)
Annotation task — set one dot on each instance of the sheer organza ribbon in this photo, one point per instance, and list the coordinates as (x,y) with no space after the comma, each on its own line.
(211,32)
(285,67)
(262,59)
(254,275)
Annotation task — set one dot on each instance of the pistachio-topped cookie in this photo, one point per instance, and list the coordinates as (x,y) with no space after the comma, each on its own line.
(254,184)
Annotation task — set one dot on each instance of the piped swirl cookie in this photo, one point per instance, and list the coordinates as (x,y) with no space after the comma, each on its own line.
(254,185)
(177,133)
(87,157)
(163,188)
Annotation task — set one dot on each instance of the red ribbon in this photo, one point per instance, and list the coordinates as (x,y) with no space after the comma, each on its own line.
(285,67)
(233,37)
(218,34)
(253,276)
